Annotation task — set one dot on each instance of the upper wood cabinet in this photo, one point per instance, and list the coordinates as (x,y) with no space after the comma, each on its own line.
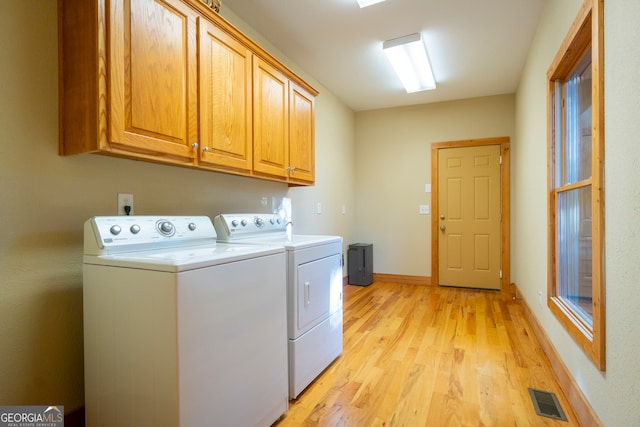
(172,82)
(144,102)
(301,134)
(271,131)
(225,100)
(283,126)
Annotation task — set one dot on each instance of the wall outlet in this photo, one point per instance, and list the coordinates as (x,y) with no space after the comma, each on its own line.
(424,210)
(125,199)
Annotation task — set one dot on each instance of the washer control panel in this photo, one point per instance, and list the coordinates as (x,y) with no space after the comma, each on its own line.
(243,226)
(111,234)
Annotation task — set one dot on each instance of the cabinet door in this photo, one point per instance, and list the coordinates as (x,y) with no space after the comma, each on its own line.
(225,100)
(301,134)
(270,127)
(153,79)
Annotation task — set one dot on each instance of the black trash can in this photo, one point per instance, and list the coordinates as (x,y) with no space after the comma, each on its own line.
(360,264)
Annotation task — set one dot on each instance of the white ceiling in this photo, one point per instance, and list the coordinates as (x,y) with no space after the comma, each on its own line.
(476,47)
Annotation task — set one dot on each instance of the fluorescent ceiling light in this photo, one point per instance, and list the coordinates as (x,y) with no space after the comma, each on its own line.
(365,3)
(408,56)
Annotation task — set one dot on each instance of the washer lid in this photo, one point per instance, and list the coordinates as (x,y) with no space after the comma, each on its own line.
(295,241)
(183,258)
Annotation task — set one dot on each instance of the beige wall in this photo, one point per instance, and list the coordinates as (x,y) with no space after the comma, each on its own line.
(45,199)
(612,394)
(393,164)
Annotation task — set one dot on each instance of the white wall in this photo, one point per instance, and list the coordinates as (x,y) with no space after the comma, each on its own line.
(612,394)
(45,199)
(393,164)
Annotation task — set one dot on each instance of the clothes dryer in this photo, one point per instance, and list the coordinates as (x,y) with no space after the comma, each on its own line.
(314,290)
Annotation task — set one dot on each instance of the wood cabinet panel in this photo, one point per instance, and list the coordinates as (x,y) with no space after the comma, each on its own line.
(153,78)
(270,127)
(301,135)
(225,100)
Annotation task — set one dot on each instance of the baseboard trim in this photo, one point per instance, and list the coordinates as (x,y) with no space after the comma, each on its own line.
(396,278)
(75,418)
(583,410)
(401,278)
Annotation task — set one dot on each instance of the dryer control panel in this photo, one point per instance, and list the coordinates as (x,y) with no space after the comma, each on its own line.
(244,226)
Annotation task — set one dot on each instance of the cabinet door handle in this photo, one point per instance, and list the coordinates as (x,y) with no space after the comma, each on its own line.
(205,149)
(194,145)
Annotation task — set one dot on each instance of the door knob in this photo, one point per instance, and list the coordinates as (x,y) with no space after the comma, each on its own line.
(442,228)
(441,216)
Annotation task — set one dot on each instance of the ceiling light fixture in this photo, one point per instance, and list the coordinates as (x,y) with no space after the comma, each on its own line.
(408,56)
(365,3)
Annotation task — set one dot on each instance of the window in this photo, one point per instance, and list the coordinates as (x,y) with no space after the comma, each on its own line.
(576,195)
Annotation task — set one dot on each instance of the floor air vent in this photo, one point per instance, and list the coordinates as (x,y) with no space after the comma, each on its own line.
(546,404)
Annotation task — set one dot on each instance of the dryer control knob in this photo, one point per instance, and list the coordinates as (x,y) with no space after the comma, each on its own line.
(259,221)
(244,222)
(235,223)
(135,229)
(115,230)
(192,226)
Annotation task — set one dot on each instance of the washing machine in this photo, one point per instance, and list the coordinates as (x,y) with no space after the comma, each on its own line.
(179,329)
(314,290)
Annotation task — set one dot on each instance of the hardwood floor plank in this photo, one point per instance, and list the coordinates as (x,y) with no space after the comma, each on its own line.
(430,356)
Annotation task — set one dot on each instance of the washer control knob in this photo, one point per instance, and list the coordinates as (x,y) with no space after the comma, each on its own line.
(115,230)
(235,223)
(166,228)
(192,226)
(244,222)
(135,229)
(259,222)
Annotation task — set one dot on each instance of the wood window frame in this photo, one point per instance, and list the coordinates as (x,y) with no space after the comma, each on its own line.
(586,33)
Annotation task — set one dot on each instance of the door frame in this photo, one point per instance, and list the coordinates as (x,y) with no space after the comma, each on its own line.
(505,200)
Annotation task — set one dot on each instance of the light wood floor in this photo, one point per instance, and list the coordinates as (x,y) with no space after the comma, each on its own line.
(430,356)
